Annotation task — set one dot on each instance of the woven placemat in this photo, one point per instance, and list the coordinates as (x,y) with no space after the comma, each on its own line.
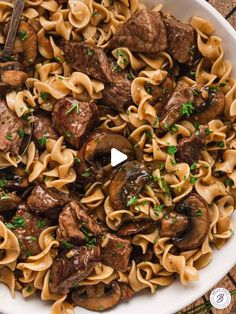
(228,9)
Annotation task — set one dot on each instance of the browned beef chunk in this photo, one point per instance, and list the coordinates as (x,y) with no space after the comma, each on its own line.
(8,201)
(27,227)
(74,119)
(172,110)
(134,227)
(43,199)
(43,130)
(161,93)
(10,128)
(89,60)
(76,226)
(189,149)
(138,256)
(117,95)
(12,73)
(115,252)
(71,268)
(181,39)
(143,32)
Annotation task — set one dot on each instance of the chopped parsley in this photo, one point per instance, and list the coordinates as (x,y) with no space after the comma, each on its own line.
(198,212)
(40,223)
(193,166)
(192,50)
(132,200)
(28,253)
(57,59)
(228,182)
(121,54)
(129,76)
(120,245)
(171,150)
(213,89)
(208,131)
(74,106)
(148,88)
(90,242)
(196,125)
(23,35)
(44,95)
(148,135)
(21,133)
(90,52)
(95,13)
(29,289)
(111,2)
(9,137)
(187,109)
(4,196)
(87,173)
(192,179)
(68,133)
(222,84)
(196,92)
(67,245)
(77,160)
(116,67)
(174,128)
(17,222)
(154,178)
(165,185)
(3,183)
(193,74)
(173,162)
(42,141)
(220,144)
(158,209)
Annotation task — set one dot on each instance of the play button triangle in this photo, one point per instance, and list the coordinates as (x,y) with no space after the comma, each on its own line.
(117,157)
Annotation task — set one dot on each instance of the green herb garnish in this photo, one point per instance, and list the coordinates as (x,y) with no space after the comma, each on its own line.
(187,109)
(171,150)
(132,200)
(44,95)
(67,245)
(74,106)
(40,223)
(90,52)
(23,35)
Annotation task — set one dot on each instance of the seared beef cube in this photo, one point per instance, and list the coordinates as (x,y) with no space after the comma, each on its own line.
(138,256)
(43,130)
(117,95)
(8,201)
(27,228)
(115,252)
(43,200)
(12,73)
(10,130)
(89,60)
(189,149)
(181,39)
(144,31)
(72,267)
(76,226)
(74,119)
(160,93)
(172,111)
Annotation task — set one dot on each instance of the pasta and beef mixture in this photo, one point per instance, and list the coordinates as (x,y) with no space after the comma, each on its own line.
(77,79)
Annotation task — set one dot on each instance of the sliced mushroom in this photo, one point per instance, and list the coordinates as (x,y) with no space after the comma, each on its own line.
(198,223)
(172,224)
(98,297)
(14,178)
(12,74)
(209,103)
(95,154)
(25,43)
(134,227)
(127,182)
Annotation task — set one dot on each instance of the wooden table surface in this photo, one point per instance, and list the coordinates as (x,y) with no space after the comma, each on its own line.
(228,9)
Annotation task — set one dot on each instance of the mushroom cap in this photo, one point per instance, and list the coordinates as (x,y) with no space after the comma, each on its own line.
(96,298)
(173,224)
(127,182)
(196,209)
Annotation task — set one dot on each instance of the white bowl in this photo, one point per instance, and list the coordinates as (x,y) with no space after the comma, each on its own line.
(173,298)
